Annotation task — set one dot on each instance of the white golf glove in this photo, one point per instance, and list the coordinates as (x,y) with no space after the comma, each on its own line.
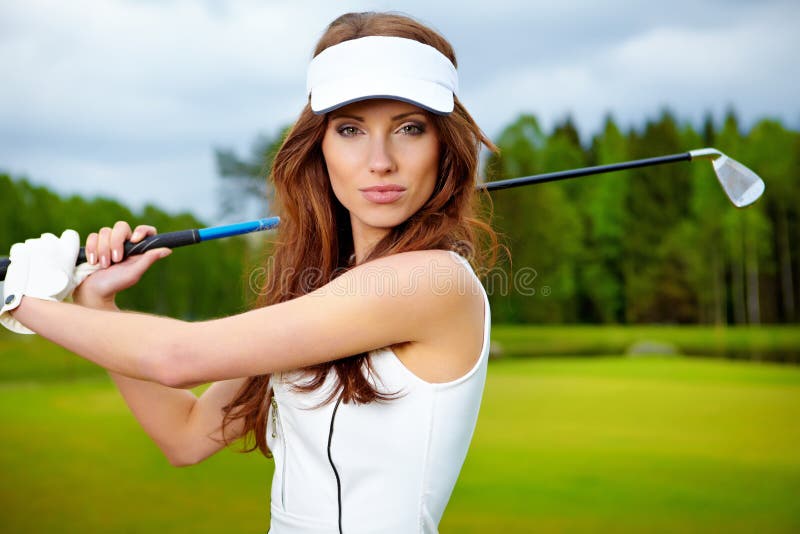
(42,268)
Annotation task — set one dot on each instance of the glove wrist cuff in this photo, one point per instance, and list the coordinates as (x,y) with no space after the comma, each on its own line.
(12,301)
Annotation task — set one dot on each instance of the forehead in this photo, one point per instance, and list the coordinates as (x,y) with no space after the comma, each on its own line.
(377,107)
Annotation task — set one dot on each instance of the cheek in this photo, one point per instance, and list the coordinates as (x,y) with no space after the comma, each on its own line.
(429,167)
(341,159)
(334,164)
(340,166)
(339,186)
(329,154)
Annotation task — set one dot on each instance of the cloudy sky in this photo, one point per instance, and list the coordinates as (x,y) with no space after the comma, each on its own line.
(129,98)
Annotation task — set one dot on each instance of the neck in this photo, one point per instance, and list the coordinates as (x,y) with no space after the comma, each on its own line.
(365,239)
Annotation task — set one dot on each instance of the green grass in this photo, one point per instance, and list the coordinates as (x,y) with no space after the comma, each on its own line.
(657,444)
(631,445)
(75,460)
(752,342)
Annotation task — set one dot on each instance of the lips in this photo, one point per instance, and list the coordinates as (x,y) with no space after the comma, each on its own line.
(383,194)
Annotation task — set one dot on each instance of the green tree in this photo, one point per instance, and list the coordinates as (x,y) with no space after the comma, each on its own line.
(769,148)
(730,141)
(657,201)
(702,235)
(542,229)
(245,179)
(603,213)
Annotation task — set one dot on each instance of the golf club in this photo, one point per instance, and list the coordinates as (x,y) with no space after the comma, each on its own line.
(177,239)
(741,185)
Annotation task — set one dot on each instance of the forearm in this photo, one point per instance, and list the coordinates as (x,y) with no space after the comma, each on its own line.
(162,412)
(135,345)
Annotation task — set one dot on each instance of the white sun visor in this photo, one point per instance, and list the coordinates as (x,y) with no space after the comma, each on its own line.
(381,67)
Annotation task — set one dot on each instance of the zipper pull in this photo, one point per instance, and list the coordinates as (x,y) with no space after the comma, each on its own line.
(274,417)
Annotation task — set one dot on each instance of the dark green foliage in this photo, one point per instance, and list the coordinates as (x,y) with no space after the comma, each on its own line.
(653,245)
(541,226)
(657,200)
(600,273)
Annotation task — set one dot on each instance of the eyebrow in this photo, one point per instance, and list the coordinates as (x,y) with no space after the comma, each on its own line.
(361,119)
(404,115)
(346,116)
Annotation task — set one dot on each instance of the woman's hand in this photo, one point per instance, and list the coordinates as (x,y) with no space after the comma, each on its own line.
(106,249)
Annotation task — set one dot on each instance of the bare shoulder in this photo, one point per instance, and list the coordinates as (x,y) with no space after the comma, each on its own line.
(446,286)
(436,279)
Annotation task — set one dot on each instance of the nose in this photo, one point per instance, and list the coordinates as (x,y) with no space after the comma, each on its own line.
(380,157)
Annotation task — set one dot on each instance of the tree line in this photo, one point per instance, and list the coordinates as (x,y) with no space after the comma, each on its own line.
(653,245)
(196,282)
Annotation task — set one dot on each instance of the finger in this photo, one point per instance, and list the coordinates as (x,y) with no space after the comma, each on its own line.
(91,248)
(120,234)
(71,237)
(104,246)
(70,246)
(142,231)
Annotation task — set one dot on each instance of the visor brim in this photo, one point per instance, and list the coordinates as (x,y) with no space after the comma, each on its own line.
(427,95)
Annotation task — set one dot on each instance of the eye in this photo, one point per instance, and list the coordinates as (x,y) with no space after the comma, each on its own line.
(412,129)
(347,131)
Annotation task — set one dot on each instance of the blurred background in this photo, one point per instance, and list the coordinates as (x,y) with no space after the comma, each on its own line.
(644,372)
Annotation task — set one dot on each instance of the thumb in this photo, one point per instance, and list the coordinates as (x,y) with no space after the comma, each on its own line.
(69,246)
(141,262)
(152,256)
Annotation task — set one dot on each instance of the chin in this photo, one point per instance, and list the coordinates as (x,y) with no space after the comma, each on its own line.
(386,221)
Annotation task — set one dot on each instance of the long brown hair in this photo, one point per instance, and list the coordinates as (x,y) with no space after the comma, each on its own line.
(314,242)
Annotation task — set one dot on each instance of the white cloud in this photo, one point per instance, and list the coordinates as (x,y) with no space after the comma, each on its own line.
(688,69)
(114,64)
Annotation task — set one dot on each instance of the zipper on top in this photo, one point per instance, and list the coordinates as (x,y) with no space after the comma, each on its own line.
(330,460)
(276,422)
(274,418)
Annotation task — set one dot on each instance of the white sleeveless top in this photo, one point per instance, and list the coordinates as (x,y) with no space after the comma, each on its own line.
(383,467)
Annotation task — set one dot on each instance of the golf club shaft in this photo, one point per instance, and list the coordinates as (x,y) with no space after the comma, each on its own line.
(586,171)
(190,237)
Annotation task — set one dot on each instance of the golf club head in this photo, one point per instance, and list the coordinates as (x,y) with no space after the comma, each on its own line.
(742,185)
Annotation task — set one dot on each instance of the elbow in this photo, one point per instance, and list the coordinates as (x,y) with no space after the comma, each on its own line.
(173,366)
(167,370)
(180,452)
(181,461)
(176,376)
(186,454)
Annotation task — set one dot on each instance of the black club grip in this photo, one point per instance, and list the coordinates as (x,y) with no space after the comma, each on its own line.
(169,240)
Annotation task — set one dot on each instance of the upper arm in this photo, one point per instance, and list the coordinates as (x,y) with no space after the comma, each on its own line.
(400,298)
(204,423)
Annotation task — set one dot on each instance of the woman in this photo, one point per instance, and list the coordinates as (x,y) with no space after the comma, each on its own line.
(363,367)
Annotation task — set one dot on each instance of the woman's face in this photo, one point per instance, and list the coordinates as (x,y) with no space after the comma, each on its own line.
(383,160)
